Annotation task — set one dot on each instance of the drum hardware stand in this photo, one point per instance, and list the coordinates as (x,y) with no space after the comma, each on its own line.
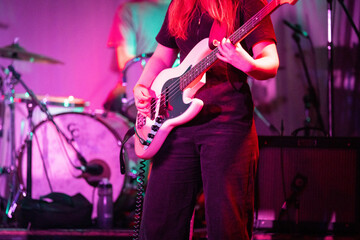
(14,194)
(2,106)
(36,102)
(14,204)
(30,107)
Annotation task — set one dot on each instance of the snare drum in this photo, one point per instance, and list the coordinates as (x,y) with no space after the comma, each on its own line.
(54,104)
(131,75)
(97,139)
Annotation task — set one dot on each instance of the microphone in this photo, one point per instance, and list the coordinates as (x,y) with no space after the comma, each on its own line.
(297,28)
(92,169)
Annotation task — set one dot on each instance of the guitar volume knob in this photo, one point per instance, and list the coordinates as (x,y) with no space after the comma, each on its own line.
(154,128)
(159,120)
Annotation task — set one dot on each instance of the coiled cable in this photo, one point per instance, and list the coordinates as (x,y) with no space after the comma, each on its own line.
(139,199)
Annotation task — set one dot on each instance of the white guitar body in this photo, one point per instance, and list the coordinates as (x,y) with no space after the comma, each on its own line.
(194,105)
(177,87)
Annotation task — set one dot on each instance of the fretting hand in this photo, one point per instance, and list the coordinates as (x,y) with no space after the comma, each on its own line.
(235,55)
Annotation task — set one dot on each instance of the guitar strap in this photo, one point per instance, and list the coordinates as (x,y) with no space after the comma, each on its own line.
(127,136)
(217,33)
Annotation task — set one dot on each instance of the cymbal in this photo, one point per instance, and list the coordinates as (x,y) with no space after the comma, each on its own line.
(14,51)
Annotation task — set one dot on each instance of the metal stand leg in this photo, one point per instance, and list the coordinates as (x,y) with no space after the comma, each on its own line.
(12,169)
(30,106)
(20,192)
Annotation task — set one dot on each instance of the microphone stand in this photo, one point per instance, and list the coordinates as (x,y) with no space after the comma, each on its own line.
(266,122)
(2,106)
(357,32)
(330,47)
(311,96)
(9,84)
(331,61)
(350,18)
(50,118)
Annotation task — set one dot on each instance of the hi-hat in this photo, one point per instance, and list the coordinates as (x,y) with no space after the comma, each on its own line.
(14,51)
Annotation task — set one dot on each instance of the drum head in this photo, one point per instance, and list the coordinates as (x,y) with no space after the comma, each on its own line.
(55,165)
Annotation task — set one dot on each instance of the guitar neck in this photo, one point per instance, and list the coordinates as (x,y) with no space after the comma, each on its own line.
(253,22)
(236,37)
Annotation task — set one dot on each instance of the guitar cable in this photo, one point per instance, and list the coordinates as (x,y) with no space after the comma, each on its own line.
(139,199)
(140,183)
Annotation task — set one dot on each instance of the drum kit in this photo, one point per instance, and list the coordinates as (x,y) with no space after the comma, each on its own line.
(66,150)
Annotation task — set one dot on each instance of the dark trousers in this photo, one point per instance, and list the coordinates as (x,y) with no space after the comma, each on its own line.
(223,162)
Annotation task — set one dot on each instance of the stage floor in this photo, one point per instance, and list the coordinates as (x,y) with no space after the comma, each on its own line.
(127,234)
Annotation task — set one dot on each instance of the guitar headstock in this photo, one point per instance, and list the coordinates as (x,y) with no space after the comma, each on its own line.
(292,2)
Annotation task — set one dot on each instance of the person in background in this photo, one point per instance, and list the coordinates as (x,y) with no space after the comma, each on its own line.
(217,150)
(133,31)
(132,34)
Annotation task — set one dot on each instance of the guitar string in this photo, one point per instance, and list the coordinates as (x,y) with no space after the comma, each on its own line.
(250,24)
(176,87)
(193,73)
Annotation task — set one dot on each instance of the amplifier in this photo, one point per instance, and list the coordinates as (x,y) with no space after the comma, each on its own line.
(308,183)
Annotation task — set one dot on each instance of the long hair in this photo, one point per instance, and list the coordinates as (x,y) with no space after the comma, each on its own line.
(181,13)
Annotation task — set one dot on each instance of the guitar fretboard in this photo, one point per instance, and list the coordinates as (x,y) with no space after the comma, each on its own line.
(236,37)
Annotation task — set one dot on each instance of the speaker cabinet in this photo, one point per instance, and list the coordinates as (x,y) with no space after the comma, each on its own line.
(308,183)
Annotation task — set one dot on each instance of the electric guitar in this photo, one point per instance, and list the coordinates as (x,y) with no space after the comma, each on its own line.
(175,89)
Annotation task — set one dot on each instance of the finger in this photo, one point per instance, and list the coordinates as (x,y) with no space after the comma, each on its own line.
(223,53)
(143,106)
(222,48)
(142,100)
(222,58)
(145,96)
(143,109)
(145,114)
(225,43)
(229,47)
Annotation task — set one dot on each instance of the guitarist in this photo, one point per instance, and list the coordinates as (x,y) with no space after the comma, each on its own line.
(218,149)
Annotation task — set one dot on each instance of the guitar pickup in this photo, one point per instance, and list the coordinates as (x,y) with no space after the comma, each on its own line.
(153,108)
(165,103)
(159,119)
(154,128)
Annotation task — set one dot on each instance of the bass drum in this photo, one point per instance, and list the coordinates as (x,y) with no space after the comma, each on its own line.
(98,138)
